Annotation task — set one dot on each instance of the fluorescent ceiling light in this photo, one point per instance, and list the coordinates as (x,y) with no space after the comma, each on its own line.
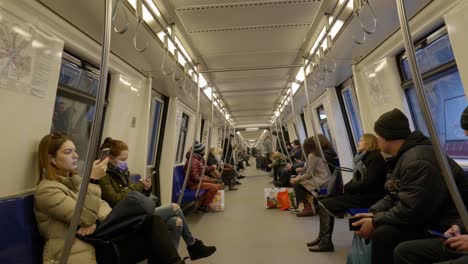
(300,75)
(336,28)
(153,7)
(350,4)
(202,82)
(184,51)
(308,69)
(251,129)
(208,92)
(320,36)
(295,87)
(277,113)
(132,3)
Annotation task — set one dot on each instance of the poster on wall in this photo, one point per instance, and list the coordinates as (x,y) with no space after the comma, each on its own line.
(27,56)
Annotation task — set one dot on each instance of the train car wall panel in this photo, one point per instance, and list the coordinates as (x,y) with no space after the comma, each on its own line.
(127,117)
(456,22)
(28,82)
(378,88)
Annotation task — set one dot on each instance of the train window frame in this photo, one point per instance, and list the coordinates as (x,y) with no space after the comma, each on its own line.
(324,124)
(350,125)
(74,94)
(429,76)
(304,124)
(154,132)
(182,138)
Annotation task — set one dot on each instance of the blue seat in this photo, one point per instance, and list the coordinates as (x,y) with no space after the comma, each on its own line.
(178,181)
(354,211)
(323,191)
(20,242)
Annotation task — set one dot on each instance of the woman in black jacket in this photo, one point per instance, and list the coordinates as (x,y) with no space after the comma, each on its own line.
(365,189)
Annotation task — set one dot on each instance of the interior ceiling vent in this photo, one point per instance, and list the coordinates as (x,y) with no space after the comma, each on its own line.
(242,5)
(251,28)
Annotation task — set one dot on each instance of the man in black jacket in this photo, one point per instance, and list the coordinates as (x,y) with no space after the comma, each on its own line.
(422,251)
(417,198)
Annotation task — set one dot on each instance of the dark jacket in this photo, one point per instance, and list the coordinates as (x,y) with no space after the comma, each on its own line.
(196,171)
(331,157)
(296,154)
(227,151)
(212,160)
(372,182)
(116,185)
(417,195)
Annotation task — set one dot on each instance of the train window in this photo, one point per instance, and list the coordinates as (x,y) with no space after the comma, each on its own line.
(155,126)
(445,93)
(182,138)
(350,104)
(324,123)
(74,103)
(304,124)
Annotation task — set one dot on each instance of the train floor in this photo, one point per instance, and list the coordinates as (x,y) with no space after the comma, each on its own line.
(246,232)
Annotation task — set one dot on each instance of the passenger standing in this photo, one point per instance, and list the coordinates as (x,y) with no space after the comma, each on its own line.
(116,186)
(55,200)
(227,151)
(196,176)
(428,251)
(315,177)
(365,189)
(417,197)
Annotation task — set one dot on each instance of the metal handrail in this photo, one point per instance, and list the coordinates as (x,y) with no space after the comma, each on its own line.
(138,12)
(94,135)
(208,146)
(295,122)
(165,56)
(189,167)
(422,99)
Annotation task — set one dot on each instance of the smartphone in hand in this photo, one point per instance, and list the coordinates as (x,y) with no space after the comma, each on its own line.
(438,234)
(104,154)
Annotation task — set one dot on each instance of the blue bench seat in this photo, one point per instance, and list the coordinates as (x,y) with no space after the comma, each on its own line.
(178,181)
(20,242)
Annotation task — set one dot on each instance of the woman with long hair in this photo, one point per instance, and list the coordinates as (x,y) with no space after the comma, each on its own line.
(316,176)
(55,201)
(365,189)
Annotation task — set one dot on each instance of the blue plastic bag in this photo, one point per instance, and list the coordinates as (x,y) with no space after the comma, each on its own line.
(360,251)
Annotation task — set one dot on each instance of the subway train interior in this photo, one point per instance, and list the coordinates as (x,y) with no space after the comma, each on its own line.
(178,80)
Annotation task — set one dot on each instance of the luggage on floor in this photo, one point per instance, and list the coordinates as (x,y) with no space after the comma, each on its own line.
(271,197)
(361,251)
(283,200)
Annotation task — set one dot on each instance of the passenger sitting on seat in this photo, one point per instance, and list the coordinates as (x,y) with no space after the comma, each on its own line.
(315,177)
(417,197)
(329,152)
(295,168)
(55,201)
(437,250)
(195,176)
(278,163)
(365,189)
(116,186)
(213,163)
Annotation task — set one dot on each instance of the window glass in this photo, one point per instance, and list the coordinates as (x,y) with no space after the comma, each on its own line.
(182,138)
(156,114)
(446,98)
(74,119)
(69,74)
(324,124)
(353,115)
(431,56)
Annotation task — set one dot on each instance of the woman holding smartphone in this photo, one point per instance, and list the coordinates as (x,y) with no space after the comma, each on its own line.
(116,185)
(55,200)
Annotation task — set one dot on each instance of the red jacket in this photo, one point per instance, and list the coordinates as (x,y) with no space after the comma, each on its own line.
(196,172)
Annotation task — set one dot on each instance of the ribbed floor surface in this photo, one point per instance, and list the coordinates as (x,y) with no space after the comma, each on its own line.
(246,232)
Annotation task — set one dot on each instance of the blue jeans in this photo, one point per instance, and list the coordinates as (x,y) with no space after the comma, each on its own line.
(178,226)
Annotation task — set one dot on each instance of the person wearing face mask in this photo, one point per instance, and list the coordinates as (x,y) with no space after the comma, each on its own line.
(55,200)
(116,185)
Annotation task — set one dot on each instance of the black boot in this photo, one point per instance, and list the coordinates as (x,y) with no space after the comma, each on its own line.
(327,222)
(322,228)
(199,250)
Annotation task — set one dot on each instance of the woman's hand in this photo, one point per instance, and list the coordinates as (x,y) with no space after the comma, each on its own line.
(99,169)
(147,184)
(86,230)
(453,231)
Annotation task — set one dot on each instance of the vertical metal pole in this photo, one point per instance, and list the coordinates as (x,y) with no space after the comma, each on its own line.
(284,141)
(279,137)
(418,84)
(189,167)
(226,145)
(207,148)
(317,141)
(271,138)
(223,138)
(291,96)
(94,136)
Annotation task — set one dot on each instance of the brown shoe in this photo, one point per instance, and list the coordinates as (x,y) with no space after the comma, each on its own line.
(307,211)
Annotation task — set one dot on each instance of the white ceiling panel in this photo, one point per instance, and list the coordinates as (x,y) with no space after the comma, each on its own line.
(250,59)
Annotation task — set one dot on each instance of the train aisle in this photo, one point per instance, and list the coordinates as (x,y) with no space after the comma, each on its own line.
(246,232)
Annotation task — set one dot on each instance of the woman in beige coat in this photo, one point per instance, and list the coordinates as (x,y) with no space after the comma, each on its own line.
(55,202)
(315,177)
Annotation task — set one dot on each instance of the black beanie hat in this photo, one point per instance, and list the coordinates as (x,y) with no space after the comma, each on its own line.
(392,125)
(464,119)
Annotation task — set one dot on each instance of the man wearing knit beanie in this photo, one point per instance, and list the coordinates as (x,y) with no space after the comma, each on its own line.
(464,121)
(416,190)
